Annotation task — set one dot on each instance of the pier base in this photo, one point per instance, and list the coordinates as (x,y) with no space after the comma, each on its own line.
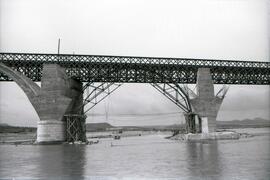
(204,125)
(51,131)
(206,136)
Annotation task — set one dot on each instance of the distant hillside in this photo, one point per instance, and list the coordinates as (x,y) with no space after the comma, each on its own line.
(104,126)
(4,124)
(246,123)
(97,126)
(158,127)
(257,122)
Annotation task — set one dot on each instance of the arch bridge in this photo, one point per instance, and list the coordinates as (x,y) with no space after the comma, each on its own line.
(69,84)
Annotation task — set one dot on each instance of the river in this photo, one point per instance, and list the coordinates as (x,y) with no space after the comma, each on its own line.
(147,156)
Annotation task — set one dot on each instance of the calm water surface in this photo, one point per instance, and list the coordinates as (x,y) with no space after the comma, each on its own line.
(149,156)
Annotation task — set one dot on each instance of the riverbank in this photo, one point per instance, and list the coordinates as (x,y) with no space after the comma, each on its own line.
(18,138)
(30,137)
(101,127)
(25,138)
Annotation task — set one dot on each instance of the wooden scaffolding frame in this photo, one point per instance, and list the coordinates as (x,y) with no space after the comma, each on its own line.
(75,127)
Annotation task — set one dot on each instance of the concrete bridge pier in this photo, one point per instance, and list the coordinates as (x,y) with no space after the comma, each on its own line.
(59,95)
(206,105)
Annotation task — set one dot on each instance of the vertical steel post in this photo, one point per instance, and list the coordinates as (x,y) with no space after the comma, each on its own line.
(58,51)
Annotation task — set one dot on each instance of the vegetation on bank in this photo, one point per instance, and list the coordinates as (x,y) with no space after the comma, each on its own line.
(4,128)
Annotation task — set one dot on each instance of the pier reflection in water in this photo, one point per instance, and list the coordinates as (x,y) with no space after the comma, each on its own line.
(204,160)
(64,160)
(149,156)
(31,161)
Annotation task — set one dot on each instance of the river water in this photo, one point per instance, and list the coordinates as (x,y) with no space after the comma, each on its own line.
(141,157)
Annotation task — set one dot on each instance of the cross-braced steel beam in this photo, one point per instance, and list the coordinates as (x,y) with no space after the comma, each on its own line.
(179,95)
(95,93)
(174,93)
(99,68)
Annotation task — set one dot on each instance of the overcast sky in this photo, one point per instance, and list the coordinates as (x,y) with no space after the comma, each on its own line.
(215,29)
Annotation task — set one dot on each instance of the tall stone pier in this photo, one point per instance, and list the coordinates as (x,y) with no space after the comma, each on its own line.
(60,95)
(57,96)
(206,105)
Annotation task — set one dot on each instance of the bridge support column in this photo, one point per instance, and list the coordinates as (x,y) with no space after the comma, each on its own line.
(193,123)
(206,104)
(59,95)
(200,124)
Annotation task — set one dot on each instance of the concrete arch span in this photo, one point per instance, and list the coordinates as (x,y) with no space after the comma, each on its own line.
(57,96)
(30,88)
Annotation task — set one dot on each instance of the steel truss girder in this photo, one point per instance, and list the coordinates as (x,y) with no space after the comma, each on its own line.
(174,93)
(96,93)
(98,68)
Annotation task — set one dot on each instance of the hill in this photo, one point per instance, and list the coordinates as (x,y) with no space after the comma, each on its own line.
(4,124)
(97,126)
(245,123)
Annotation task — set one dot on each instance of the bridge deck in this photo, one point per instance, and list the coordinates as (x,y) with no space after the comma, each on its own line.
(98,68)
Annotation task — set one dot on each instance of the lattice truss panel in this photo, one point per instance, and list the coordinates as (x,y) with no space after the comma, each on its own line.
(176,94)
(96,92)
(94,68)
(180,94)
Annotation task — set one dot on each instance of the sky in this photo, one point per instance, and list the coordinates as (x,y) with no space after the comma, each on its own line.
(213,29)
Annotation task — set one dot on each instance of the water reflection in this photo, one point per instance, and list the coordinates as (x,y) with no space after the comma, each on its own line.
(140,157)
(204,160)
(66,160)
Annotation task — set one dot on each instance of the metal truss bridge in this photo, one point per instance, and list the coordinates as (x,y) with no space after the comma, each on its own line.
(127,69)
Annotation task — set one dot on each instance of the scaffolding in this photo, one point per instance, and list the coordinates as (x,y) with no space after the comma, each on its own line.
(75,130)
(193,123)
